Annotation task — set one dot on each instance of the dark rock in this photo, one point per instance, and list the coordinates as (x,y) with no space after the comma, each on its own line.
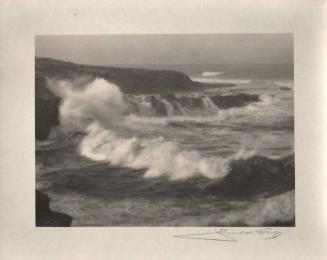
(174,101)
(255,176)
(46,108)
(46,217)
(159,106)
(191,102)
(134,81)
(46,116)
(140,81)
(237,100)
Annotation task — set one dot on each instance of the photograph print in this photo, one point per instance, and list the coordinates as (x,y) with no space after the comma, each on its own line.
(171,130)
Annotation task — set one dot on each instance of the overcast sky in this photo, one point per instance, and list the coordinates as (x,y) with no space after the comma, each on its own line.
(129,50)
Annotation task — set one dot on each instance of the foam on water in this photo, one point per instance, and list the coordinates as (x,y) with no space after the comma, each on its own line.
(99,109)
(285,83)
(182,136)
(159,157)
(221,80)
(211,73)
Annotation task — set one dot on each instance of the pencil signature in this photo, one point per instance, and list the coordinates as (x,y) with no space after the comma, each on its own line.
(227,235)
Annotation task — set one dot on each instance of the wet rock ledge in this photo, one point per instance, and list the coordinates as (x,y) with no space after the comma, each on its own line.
(46,217)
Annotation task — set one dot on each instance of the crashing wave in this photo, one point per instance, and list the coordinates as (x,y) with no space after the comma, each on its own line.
(100,110)
(285,83)
(211,73)
(158,156)
(213,80)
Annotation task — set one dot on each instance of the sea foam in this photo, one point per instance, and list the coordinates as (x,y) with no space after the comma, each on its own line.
(211,73)
(100,110)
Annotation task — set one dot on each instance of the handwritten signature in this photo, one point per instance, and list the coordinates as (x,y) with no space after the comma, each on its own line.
(227,235)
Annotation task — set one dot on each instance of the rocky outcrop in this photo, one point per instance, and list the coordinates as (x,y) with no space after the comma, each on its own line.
(46,116)
(256,176)
(46,217)
(46,108)
(134,81)
(158,106)
(236,100)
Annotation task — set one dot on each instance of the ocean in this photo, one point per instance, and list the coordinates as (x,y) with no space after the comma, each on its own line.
(205,157)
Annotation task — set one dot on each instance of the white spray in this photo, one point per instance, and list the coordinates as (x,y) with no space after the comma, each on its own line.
(99,109)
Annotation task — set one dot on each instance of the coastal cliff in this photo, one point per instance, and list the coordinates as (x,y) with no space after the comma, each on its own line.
(131,81)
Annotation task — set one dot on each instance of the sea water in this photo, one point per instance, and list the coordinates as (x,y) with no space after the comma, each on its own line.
(145,160)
